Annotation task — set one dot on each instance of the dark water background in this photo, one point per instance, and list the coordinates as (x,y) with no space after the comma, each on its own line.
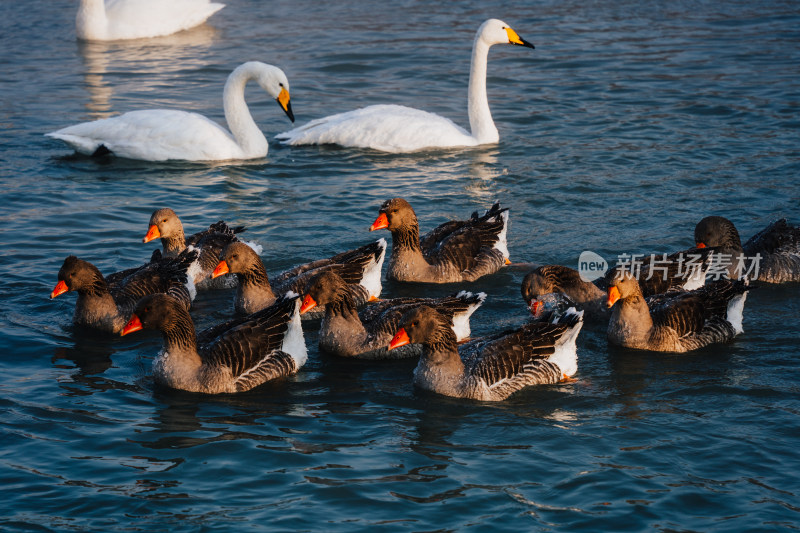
(628,123)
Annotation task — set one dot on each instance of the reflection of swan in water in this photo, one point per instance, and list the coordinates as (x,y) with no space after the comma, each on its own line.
(162,134)
(156,58)
(108,20)
(399,129)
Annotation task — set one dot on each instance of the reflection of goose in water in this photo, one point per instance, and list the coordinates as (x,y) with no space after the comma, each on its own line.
(156,60)
(394,128)
(108,20)
(165,134)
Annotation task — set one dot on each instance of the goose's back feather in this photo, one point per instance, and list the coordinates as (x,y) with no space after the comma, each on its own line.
(247,346)
(779,248)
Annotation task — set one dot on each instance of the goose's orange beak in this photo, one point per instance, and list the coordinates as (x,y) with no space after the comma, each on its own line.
(700,245)
(400,339)
(613,295)
(134,324)
(152,233)
(59,289)
(536,307)
(308,304)
(222,268)
(380,223)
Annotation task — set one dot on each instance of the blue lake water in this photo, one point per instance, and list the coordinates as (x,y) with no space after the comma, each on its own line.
(627,124)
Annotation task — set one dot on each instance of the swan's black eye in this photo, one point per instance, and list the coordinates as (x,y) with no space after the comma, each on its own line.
(164,220)
(146,309)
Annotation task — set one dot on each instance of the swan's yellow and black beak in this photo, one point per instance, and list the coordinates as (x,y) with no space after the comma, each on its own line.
(513,38)
(285,103)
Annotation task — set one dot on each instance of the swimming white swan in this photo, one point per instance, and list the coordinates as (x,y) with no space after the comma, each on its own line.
(163,134)
(108,20)
(394,128)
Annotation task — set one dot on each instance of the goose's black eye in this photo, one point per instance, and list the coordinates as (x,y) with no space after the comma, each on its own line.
(280,85)
(164,220)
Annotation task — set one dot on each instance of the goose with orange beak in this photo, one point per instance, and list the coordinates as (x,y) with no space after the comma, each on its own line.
(678,321)
(365,334)
(772,255)
(360,268)
(231,357)
(165,225)
(105,303)
(459,250)
(494,367)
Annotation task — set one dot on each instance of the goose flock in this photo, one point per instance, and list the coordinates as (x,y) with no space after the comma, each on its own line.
(670,309)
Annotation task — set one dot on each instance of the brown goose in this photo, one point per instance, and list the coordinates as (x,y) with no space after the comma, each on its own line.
(107,303)
(669,273)
(346,332)
(777,246)
(360,268)
(678,321)
(489,368)
(460,250)
(166,225)
(231,357)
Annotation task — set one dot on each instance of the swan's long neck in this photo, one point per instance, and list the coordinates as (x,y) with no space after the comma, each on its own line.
(241,124)
(480,117)
(91,22)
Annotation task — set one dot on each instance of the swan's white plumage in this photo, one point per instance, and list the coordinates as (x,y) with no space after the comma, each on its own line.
(162,134)
(398,129)
(99,20)
(388,128)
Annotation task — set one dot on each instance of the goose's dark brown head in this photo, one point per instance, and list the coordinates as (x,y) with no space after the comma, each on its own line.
(164,223)
(716,231)
(236,258)
(76,275)
(322,290)
(394,214)
(156,311)
(419,326)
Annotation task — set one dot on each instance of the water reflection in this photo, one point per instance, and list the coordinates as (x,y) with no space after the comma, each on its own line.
(152,57)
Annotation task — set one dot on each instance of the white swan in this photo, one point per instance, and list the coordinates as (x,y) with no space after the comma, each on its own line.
(394,128)
(162,134)
(108,20)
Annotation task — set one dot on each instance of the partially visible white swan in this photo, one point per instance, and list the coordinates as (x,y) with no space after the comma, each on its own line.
(394,128)
(108,20)
(163,134)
